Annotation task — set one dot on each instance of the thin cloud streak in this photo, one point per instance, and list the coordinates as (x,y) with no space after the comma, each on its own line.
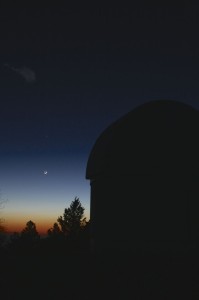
(26,73)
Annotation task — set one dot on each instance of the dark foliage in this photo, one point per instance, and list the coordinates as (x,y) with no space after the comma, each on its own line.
(2,228)
(29,233)
(72,220)
(55,232)
(71,234)
(27,241)
(2,235)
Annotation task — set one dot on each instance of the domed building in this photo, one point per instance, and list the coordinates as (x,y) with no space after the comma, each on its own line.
(143,171)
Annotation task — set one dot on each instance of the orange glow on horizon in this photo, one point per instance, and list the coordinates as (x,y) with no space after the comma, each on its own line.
(17,226)
(16,223)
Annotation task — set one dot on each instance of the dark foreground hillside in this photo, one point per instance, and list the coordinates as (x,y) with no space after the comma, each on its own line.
(84,276)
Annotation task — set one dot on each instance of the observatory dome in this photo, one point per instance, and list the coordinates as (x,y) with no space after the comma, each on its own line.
(158,135)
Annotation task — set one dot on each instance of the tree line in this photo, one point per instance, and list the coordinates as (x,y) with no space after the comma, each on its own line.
(69,233)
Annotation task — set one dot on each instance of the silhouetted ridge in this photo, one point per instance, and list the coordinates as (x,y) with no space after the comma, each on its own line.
(153,137)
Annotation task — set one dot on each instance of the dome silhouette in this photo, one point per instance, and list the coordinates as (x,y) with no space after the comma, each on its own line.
(158,134)
(143,171)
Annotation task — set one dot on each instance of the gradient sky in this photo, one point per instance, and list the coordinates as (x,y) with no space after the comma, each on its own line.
(67,72)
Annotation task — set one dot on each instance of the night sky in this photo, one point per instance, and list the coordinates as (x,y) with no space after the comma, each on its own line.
(67,72)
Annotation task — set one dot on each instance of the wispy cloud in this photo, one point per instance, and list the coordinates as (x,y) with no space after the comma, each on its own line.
(26,73)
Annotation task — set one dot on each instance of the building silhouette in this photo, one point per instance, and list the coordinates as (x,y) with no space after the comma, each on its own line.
(143,171)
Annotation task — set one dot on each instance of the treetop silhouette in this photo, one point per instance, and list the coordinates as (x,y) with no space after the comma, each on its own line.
(73,218)
(30,232)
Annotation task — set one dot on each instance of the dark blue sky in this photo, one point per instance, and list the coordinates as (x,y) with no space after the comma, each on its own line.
(67,72)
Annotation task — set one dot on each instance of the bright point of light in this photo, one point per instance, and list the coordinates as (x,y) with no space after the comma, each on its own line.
(45,172)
